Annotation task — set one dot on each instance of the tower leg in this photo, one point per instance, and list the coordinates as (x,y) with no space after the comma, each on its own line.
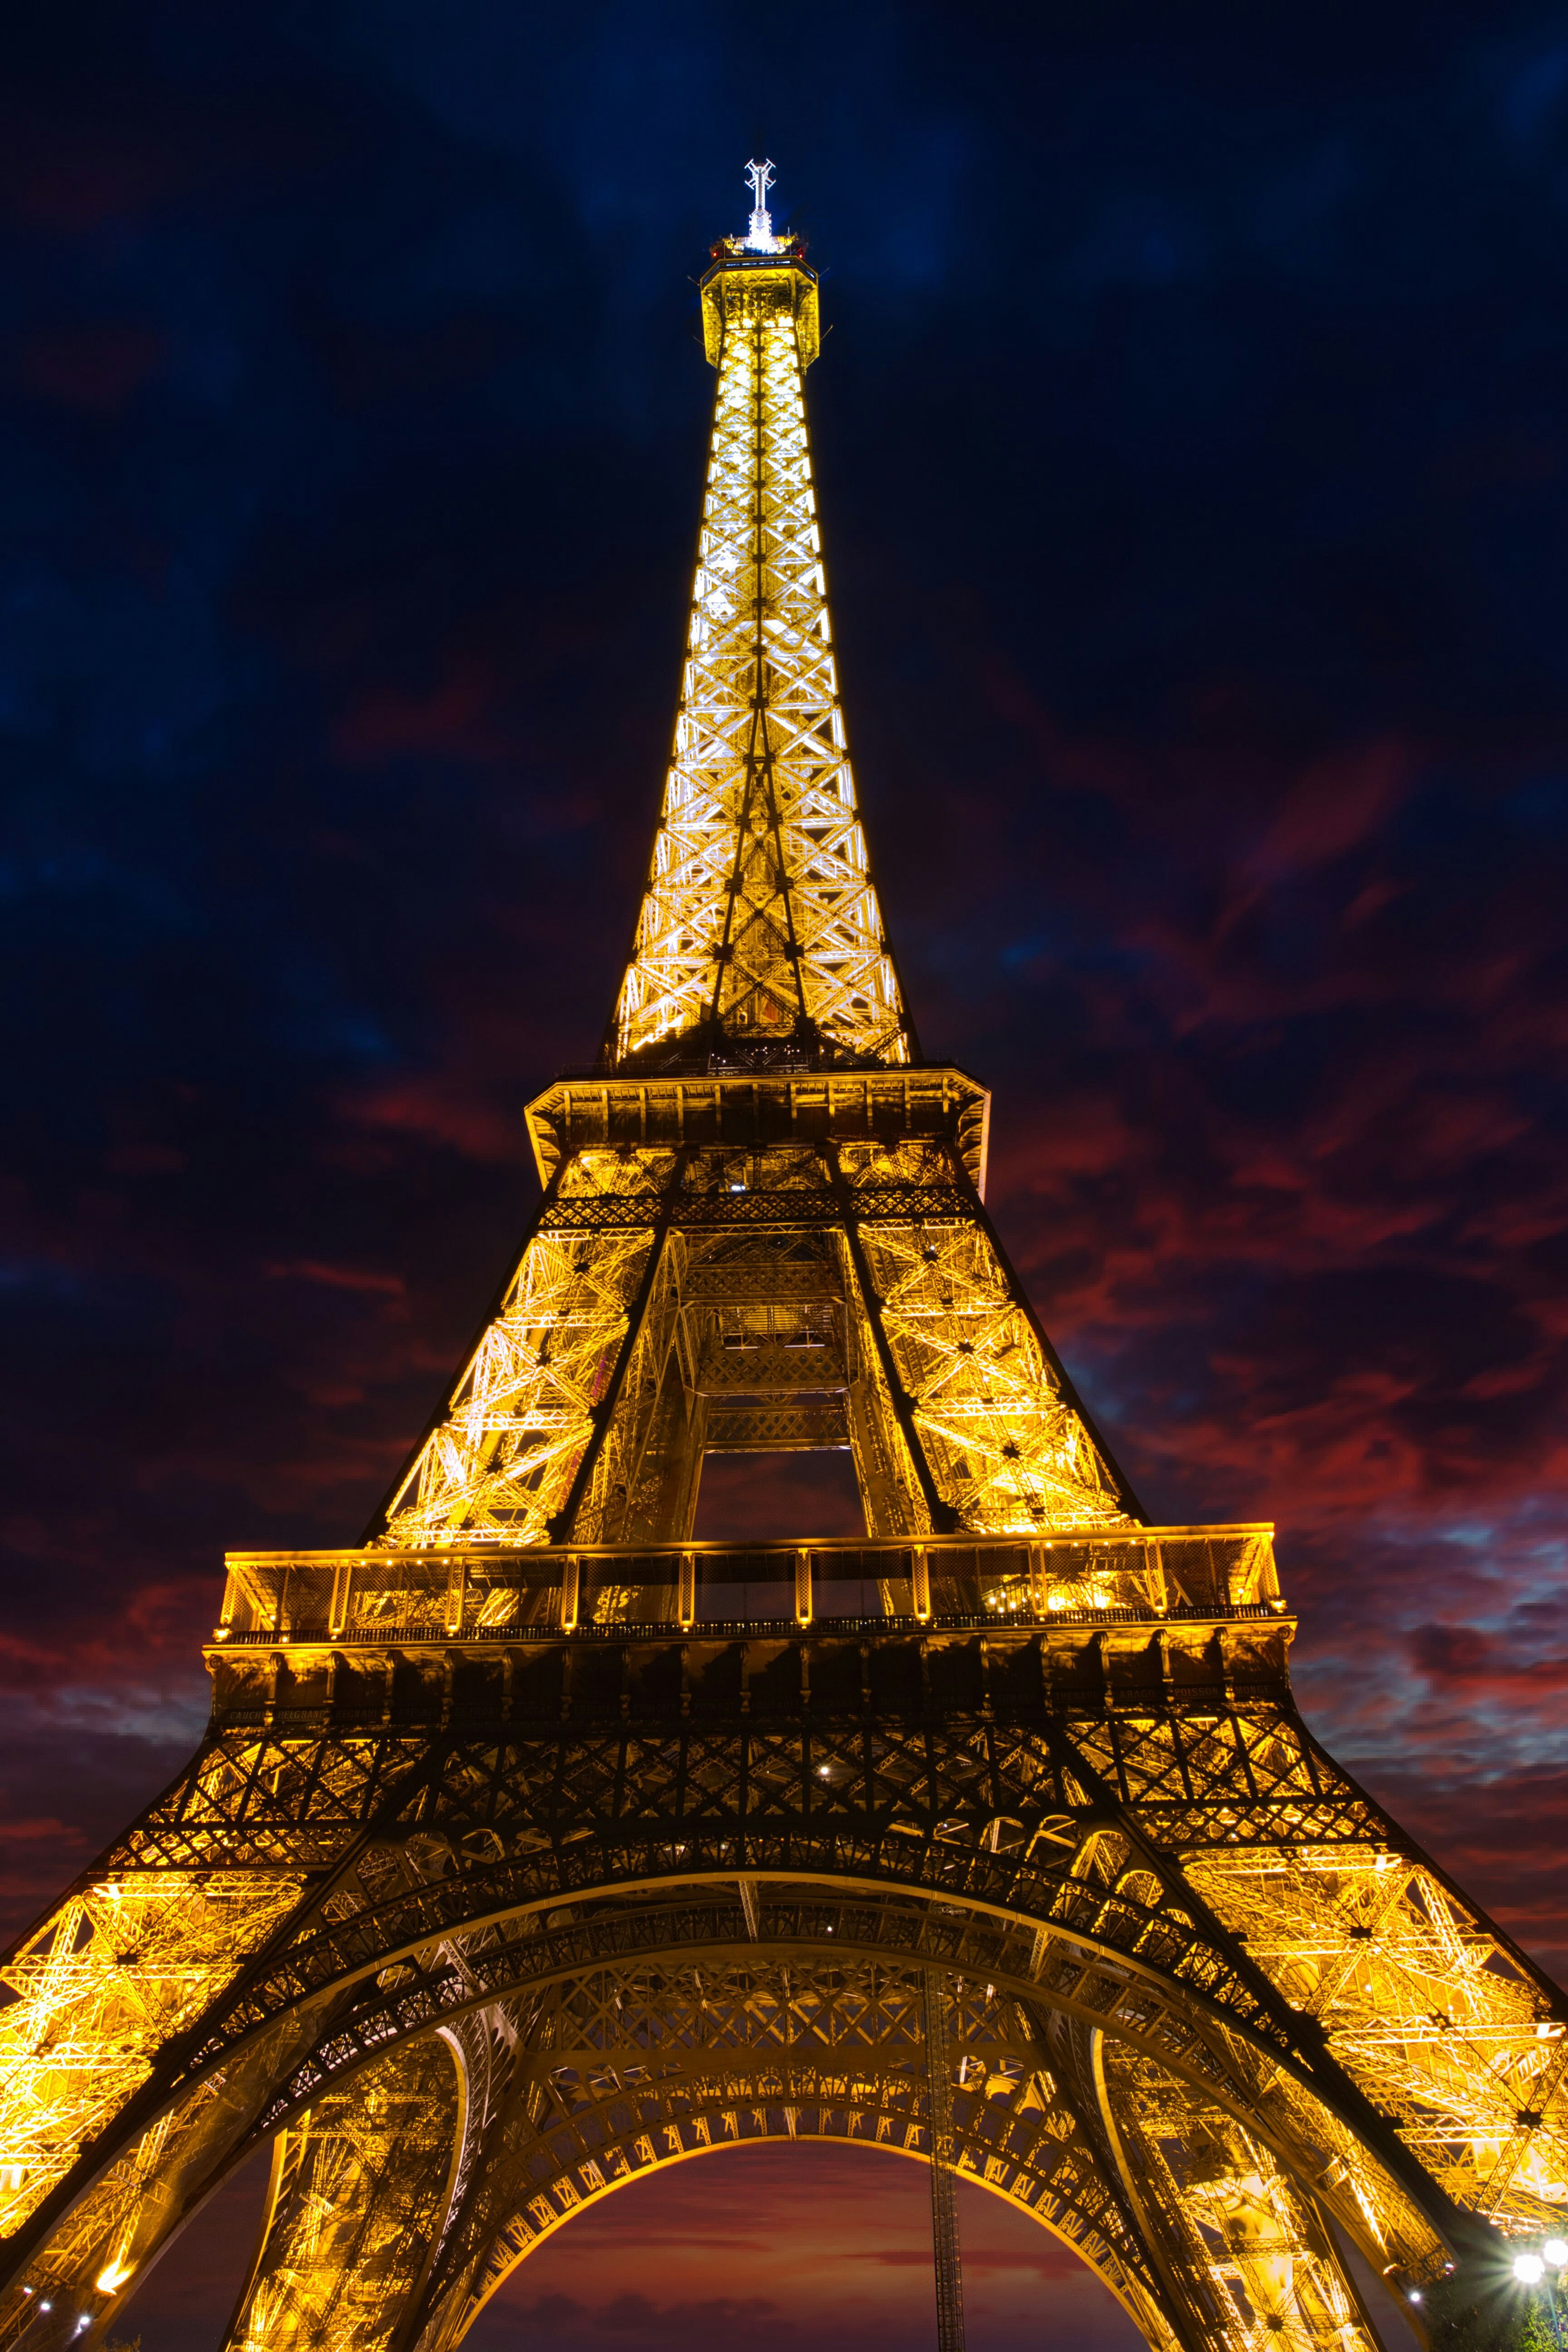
(944,2189)
(360,2189)
(1242,2243)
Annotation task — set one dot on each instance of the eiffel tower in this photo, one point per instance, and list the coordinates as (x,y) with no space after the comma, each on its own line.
(535,1846)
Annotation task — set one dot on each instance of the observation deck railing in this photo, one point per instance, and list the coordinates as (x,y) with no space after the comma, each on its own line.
(488,1594)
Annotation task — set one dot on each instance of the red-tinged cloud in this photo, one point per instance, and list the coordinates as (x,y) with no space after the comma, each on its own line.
(1332,807)
(364,1279)
(456,720)
(764,2245)
(1464,1658)
(93,368)
(36,1855)
(439,1109)
(1284,1180)
(1050,2260)
(866,2218)
(343,677)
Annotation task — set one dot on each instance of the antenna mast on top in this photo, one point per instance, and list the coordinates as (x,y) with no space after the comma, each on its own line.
(760,237)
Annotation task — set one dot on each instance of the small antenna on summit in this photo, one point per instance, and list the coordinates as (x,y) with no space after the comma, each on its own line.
(760,237)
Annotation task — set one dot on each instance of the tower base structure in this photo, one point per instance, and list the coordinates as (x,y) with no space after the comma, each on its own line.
(479,1908)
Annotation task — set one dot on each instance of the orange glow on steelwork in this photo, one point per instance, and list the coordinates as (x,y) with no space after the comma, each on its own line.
(535,1846)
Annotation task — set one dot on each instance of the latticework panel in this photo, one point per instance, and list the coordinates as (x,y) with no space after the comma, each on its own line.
(98,1993)
(507,1891)
(496,1886)
(500,1465)
(759,911)
(1423,2007)
(617,2074)
(1258,2267)
(1430,2015)
(1007,1451)
(614,1485)
(359,2189)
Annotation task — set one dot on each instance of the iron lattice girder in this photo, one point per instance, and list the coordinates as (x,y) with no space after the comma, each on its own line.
(1023,2135)
(1097,1619)
(573,1418)
(1014,2132)
(1081,1856)
(1037,1852)
(552,2130)
(474,1966)
(356,2206)
(1234,2238)
(759,916)
(601,1111)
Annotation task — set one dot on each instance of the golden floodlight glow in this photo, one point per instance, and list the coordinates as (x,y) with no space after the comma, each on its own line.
(760,921)
(536,1845)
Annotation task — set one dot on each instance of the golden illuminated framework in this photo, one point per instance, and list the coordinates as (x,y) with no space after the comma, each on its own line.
(535,1845)
(759,921)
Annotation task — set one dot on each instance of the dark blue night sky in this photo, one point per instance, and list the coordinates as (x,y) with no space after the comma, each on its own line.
(1192,437)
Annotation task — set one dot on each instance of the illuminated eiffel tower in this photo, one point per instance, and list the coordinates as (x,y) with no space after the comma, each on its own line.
(534,1846)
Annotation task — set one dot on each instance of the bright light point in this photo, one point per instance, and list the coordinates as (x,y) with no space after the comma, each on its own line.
(758,237)
(1415,2294)
(1529,2269)
(1556,2252)
(110,2281)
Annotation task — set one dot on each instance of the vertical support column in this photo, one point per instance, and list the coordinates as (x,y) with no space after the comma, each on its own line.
(1209,2185)
(456,1593)
(944,2199)
(341,1601)
(802,1601)
(360,2189)
(604,1414)
(571,1586)
(938,1515)
(920,1582)
(686,1594)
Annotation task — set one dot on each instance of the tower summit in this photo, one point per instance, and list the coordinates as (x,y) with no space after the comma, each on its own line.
(789,1248)
(534,1846)
(758,237)
(760,942)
